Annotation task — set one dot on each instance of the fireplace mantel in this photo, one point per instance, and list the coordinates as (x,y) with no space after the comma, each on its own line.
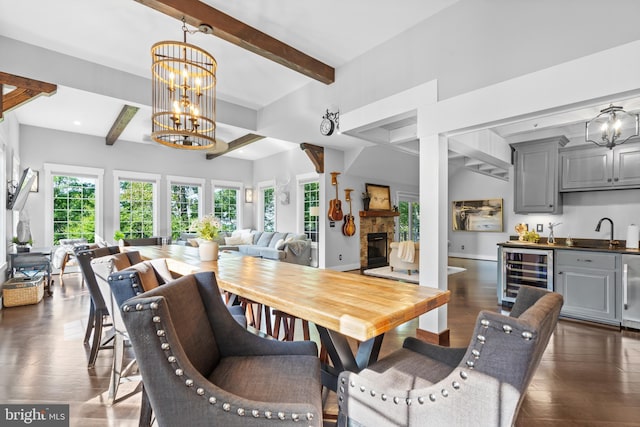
(373,214)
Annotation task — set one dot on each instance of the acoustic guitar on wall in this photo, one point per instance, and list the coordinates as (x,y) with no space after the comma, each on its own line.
(335,205)
(349,226)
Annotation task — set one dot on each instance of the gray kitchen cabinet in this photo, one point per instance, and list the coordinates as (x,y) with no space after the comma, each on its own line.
(626,166)
(536,187)
(589,167)
(589,284)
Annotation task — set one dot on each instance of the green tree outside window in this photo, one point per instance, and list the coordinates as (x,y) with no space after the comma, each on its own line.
(225,207)
(269,206)
(136,209)
(184,208)
(74,208)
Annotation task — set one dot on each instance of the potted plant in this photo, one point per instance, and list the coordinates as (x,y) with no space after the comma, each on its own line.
(207,229)
(21,246)
(118,236)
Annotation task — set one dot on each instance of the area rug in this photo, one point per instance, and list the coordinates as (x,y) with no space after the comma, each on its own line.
(402,275)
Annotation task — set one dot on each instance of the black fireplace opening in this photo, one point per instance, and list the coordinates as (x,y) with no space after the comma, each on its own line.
(377,250)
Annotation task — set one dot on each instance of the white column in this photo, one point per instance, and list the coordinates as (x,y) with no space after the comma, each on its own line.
(433,223)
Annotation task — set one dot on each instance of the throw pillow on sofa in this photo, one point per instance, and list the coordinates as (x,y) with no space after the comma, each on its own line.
(265,238)
(233,240)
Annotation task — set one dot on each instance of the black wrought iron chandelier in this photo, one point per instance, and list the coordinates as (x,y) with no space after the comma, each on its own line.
(613,126)
(184,95)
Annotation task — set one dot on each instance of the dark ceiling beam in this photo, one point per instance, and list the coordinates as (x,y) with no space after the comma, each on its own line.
(240,34)
(315,154)
(125,116)
(237,143)
(25,90)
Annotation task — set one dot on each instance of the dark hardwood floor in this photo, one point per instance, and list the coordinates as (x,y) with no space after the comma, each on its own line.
(589,375)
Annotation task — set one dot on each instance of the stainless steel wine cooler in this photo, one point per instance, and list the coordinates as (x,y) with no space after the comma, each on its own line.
(532,267)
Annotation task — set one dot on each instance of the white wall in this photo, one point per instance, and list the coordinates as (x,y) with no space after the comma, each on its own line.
(467,185)
(581,212)
(278,168)
(38,145)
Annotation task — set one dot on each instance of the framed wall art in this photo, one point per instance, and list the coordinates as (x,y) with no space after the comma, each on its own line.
(477,215)
(380,197)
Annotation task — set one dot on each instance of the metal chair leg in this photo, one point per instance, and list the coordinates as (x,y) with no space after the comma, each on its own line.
(97,338)
(116,368)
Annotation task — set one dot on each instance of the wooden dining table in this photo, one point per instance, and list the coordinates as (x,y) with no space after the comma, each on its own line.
(341,305)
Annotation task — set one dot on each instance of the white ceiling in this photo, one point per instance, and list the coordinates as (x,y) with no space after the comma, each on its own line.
(119,34)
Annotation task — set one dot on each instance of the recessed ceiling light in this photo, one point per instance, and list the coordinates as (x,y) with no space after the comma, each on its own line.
(77,122)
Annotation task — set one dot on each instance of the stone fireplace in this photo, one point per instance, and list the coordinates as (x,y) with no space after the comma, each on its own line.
(376,228)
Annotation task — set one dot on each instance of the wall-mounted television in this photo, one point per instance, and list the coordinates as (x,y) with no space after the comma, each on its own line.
(17,196)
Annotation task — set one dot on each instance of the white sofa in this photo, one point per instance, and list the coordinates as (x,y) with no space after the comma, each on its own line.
(396,263)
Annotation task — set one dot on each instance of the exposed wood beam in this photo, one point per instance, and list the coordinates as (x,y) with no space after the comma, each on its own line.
(237,143)
(25,83)
(25,90)
(230,29)
(125,116)
(316,154)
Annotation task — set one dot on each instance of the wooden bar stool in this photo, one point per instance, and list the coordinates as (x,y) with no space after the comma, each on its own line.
(253,311)
(289,325)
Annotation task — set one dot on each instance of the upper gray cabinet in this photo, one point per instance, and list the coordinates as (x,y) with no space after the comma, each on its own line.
(588,167)
(536,176)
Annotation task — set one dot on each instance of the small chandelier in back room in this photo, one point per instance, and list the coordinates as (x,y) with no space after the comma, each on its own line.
(184,95)
(613,126)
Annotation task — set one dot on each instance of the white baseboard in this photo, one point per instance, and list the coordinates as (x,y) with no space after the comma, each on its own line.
(473,256)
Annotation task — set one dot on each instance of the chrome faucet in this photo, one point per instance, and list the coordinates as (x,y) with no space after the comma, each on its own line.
(611,241)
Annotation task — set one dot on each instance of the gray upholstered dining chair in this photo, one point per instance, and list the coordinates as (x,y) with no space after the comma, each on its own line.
(481,385)
(133,281)
(153,273)
(99,314)
(201,368)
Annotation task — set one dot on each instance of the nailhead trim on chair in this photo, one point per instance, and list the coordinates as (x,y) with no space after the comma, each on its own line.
(200,391)
(134,283)
(507,329)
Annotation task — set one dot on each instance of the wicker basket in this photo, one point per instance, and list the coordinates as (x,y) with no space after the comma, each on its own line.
(22,291)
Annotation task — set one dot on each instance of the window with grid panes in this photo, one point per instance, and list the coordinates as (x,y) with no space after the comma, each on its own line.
(184,208)
(269,209)
(136,209)
(74,208)
(311,198)
(225,207)
(409,220)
